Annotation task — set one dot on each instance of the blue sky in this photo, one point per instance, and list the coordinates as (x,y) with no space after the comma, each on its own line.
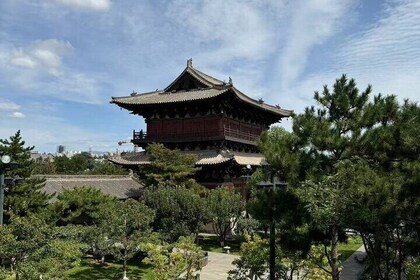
(62,60)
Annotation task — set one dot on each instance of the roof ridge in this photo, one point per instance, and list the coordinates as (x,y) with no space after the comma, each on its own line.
(201,76)
(207,77)
(81,176)
(133,94)
(87,179)
(242,95)
(168,98)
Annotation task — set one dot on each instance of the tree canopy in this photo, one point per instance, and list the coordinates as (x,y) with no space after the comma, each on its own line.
(170,261)
(34,251)
(81,205)
(352,161)
(179,211)
(24,197)
(169,168)
(125,225)
(224,207)
(82,163)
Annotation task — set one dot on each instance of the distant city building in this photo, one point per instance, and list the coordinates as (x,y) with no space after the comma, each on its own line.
(36,156)
(61,149)
(99,154)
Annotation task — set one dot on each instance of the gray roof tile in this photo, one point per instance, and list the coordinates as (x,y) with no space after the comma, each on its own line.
(204,157)
(215,88)
(121,187)
(159,97)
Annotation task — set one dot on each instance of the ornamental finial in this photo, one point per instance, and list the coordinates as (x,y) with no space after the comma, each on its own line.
(189,62)
(230,81)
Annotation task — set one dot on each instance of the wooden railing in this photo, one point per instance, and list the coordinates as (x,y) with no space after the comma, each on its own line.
(141,136)
(234,133)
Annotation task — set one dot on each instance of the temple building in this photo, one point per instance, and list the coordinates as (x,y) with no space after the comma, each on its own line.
(206,117)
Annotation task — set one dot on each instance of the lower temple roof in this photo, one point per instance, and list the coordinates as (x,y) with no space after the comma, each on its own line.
(120,186)
(204,157)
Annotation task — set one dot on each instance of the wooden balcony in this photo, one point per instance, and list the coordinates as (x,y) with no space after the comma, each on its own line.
(141,137)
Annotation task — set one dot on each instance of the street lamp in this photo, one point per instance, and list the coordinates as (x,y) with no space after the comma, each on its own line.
(246,174)
(5,159)
(272,225)
(6,163)
(272,184)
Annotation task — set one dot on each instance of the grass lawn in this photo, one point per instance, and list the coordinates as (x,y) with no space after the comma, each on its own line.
(347,249)
(90,269)
(212,244)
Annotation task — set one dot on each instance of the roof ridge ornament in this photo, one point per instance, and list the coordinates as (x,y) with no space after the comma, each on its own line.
(230,81)
(189,63)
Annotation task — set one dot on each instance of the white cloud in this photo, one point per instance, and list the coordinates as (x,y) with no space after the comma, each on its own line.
(392,42)
(95,5)
(46,131)
(40,66)
(74,86)
(227,30)
(12,107)
(242,38)
(311,24)
(18,115)
(40,55)
(23,61)
(6,105)
(385,54)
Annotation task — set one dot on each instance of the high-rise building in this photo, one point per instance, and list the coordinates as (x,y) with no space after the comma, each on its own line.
(61,149)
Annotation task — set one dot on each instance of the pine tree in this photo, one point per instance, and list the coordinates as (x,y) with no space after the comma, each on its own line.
(169,168)
(25,196)
(328,135)
(353,161)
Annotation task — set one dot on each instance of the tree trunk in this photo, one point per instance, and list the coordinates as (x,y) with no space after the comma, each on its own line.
(272,261)
(125,253)
(291,273)
(125,265)
(335,269)
(125,269)
(372,255)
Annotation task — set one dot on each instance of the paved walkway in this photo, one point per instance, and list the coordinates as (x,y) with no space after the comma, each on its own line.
(218,266)
(351,267)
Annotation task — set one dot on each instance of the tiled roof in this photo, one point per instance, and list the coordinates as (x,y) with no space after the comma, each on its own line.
(121,187)
(214,88)
(139,158)
(206,77)
(204,157)
(254,159)
(202,77)
(160,97)
(212,160)
(264,106)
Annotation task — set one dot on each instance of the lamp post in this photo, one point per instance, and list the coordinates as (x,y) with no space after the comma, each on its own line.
(272,231)
(6,163)
(272,186)
(246,174)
